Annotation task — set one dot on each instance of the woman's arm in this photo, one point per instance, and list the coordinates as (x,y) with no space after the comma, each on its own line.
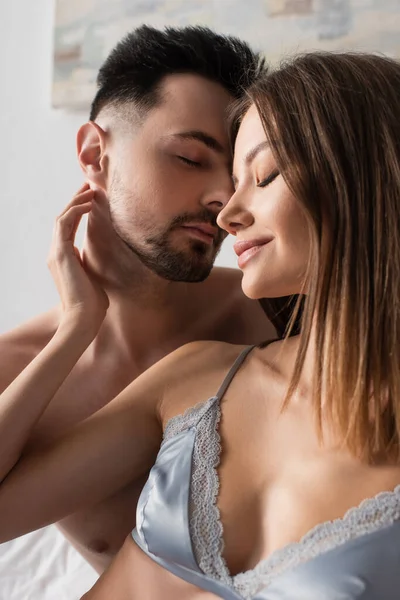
(26,398)
(84,305)
(93,461)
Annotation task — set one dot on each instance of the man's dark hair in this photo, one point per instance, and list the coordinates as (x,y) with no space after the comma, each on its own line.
(133,71)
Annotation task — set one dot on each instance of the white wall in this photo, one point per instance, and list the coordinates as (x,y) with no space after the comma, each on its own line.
(38,166)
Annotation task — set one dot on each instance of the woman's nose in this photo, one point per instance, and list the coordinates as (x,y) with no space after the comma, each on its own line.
(234,216)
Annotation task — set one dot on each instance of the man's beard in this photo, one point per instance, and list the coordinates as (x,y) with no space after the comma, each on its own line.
(193,264)
(157,252)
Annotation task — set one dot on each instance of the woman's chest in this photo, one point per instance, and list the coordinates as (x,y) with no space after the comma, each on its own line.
(134,575)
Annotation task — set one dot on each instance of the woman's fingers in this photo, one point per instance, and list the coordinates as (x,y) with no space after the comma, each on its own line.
(78,220)
(81,297)
(67,223)
(83,195)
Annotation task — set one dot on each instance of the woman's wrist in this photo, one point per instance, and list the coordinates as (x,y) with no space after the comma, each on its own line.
(77,326)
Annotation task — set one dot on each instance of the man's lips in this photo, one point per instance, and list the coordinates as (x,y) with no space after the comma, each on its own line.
(202,230)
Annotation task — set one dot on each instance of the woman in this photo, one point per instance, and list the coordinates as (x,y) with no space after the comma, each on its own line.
(285,482)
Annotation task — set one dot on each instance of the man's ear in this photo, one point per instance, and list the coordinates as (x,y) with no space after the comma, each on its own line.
(91,143)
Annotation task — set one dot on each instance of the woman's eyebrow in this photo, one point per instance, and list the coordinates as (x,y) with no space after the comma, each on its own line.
(250,156)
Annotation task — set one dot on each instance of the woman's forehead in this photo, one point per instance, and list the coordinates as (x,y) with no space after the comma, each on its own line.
(250,134)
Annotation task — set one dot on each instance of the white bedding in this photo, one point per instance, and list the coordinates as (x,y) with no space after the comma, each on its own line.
(43,566)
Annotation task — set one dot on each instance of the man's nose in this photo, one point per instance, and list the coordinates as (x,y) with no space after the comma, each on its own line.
(217,198)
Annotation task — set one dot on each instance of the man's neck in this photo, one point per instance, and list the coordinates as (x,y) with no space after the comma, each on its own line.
(146,312)
(147,316)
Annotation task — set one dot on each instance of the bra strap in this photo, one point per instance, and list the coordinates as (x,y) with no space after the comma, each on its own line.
(232,372)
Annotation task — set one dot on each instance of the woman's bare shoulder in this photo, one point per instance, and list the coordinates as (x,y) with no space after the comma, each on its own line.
(194,373)
(208,349)
(199,358)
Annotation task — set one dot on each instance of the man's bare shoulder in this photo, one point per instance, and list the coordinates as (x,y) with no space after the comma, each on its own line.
(243,320)
(19,346)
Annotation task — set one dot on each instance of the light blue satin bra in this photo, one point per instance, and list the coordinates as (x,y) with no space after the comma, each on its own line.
(178,525)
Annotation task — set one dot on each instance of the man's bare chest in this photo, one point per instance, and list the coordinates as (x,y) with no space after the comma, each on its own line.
(99,531)
(95,381)
(86,390)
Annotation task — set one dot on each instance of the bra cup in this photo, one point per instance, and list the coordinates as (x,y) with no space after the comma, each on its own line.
(367,568)
(162,519)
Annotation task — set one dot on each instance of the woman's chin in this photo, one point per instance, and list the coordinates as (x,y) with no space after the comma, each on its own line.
(252,289)
(256,289)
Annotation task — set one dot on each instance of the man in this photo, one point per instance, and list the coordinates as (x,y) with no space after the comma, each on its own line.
(156,151)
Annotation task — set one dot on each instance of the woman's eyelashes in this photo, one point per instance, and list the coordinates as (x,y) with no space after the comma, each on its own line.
(268,179)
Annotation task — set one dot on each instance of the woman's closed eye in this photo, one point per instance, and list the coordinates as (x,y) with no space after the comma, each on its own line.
(268,179)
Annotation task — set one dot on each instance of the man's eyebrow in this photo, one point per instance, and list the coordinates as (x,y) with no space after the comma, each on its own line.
(200,136)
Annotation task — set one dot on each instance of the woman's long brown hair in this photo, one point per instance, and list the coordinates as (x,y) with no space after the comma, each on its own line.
(333,123)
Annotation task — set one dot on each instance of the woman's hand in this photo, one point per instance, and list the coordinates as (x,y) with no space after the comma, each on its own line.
(83,300)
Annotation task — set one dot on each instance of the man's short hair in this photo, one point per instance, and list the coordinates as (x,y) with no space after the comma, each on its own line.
(134,70)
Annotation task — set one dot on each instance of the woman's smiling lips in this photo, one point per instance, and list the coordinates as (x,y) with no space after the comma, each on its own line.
(245,250)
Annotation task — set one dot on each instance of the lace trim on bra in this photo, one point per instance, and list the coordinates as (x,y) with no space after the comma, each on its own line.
(206,528)
(205,525)
(188,419)
(371,515)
